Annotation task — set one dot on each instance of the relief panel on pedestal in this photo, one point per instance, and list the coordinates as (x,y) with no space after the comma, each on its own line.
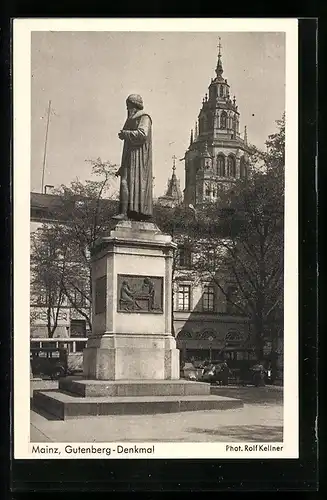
(139,294)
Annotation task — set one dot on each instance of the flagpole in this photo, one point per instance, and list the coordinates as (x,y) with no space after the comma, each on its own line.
(45,146)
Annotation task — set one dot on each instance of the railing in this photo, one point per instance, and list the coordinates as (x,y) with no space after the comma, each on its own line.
(73,345)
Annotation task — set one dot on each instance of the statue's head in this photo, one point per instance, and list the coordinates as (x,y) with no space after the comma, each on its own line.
(134,102)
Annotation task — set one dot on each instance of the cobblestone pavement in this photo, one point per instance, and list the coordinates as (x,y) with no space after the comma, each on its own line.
(260,420)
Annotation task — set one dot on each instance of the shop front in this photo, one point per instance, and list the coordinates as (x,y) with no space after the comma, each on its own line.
(214,346)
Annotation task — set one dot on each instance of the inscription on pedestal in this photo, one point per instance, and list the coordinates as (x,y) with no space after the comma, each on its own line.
(139,294)
(100,295)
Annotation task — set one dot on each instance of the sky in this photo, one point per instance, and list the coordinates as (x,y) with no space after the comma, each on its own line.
(88,75)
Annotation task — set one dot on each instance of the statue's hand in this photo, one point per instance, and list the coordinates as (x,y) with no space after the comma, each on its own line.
(121,135)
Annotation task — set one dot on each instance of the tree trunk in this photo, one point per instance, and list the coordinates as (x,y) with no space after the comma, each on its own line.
(50,333)
(259,338)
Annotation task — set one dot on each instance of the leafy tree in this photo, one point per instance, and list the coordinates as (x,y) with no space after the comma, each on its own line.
(243,250)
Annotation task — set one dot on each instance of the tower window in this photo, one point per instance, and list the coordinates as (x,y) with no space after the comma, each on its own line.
(231,166)
(223,120)
(242,167)
(221,91)
(221,165)
(207,191)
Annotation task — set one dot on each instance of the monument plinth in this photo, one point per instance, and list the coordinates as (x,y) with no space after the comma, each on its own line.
(132,306)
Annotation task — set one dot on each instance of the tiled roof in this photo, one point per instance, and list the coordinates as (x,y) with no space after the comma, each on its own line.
(45,206)
(44,201)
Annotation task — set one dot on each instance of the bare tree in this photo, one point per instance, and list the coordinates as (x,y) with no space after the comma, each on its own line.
(83,215)
(48,268)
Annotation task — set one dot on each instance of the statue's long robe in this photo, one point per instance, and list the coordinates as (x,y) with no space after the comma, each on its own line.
(137,164)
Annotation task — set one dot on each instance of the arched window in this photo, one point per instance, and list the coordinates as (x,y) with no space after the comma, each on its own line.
(207,334)
(213,92)
(221,91)
(221,166)
(231,166)
(233,338)
(223,120)
(242,167)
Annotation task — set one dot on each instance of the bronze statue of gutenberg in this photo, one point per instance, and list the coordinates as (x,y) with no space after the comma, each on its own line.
(136,165)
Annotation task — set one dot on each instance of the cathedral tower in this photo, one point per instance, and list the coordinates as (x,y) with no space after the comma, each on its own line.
(217,154)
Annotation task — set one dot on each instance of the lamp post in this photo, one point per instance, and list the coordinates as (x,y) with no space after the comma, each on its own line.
(210,348)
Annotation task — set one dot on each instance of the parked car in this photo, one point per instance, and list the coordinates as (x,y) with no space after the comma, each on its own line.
(209,373)
(49,362)
(216,372)
(189,371)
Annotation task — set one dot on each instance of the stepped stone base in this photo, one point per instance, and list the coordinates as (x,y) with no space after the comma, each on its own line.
(132,388)
(64,405)
(79,397)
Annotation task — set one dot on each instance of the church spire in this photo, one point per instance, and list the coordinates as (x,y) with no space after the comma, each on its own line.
(174,166)
(219,68)
(245,135)
(173,196)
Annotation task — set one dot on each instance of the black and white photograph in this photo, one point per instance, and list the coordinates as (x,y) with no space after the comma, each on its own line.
(155,230)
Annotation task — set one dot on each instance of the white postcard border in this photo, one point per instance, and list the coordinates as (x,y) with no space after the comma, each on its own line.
(22,29)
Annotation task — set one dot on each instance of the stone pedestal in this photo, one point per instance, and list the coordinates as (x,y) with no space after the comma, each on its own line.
(131,364)
(132,339)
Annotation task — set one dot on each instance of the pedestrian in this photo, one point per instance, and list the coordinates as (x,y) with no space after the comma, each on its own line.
(224,373)
(258,374)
